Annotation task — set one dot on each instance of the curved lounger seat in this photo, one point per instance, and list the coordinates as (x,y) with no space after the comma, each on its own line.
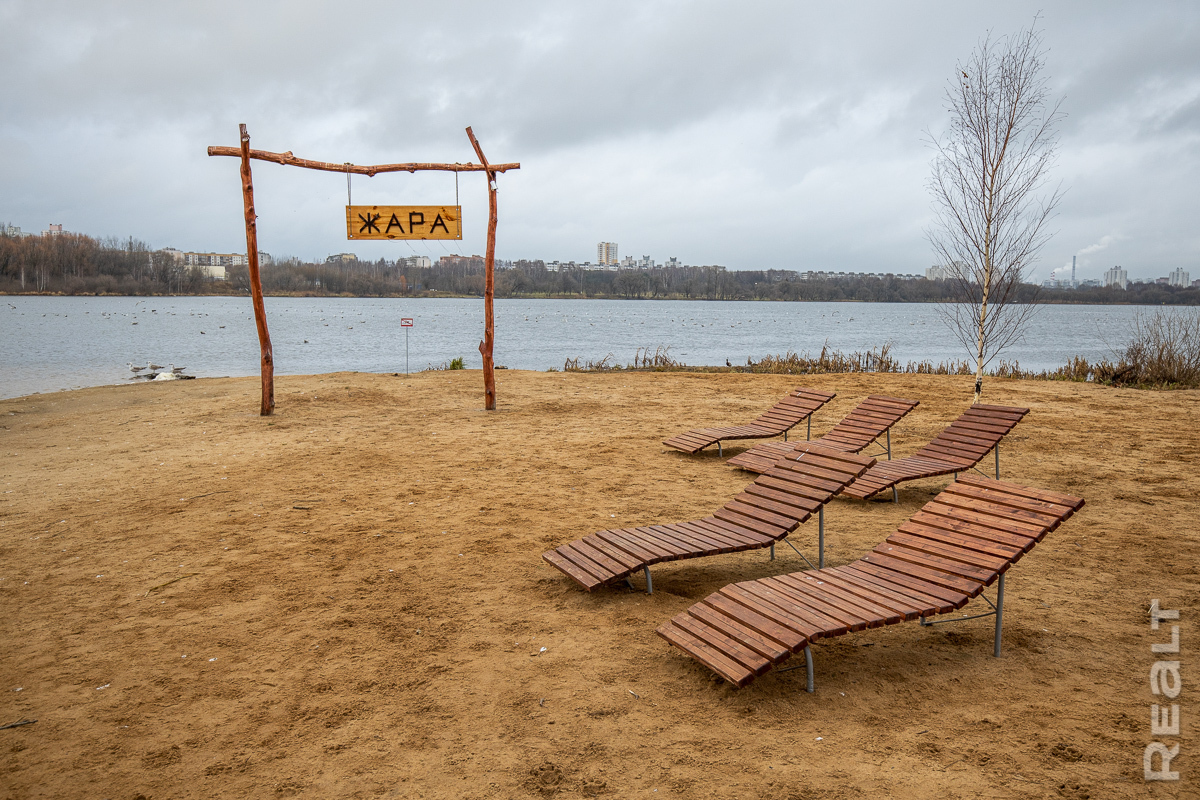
(957,449)
(788,412)
(871,419)
(764,513)
(960,542)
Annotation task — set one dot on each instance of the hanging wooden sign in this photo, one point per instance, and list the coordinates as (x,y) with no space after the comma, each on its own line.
(404,222)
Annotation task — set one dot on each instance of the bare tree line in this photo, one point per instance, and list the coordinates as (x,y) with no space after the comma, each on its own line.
(73,264)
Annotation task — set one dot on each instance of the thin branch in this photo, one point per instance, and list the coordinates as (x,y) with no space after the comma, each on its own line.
(290,160)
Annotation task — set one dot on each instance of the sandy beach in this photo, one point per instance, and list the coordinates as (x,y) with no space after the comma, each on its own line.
(348,600)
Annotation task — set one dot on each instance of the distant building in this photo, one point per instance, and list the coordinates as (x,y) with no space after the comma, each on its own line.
(936,273)
(606,254)
(1179,277)
(338,258)
(415,262)
(14,232)
(215,266)
(54,229)
(1116,277)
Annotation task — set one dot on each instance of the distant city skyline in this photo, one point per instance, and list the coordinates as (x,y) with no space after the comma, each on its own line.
(1103,274)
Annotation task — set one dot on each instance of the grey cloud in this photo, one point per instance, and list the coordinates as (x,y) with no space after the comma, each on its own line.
(643,122)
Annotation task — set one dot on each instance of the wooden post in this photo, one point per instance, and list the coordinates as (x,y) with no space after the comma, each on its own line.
(260,311)
(489,285)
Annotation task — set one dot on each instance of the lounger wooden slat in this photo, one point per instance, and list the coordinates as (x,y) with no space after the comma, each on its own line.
(969,543)
(935,599)
(805,620)
(728,542)
(728,668)
(911,566)
(908,576)
(767,597)
(749,537)
(745,613)
(742,538)
(751,646)
(869,420)
(878,614)
(579,554)
(627,560)
(698,538)
(761,515)
(798,405)
(840,608)
(1013,501)
(903,606)
(581,576)
(639,549)
(960,447)
(799,503)
(679,546)
(719,635)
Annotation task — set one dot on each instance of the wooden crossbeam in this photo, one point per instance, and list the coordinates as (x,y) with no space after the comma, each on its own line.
(290,160)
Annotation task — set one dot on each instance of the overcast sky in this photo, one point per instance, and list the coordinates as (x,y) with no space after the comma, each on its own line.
(753,135)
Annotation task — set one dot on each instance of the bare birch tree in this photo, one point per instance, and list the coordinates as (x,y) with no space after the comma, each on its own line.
(989,189)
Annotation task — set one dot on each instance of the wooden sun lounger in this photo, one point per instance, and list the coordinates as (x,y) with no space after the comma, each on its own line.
(957,449)
(961,541)
(764,513)
(872,418)
(788,412)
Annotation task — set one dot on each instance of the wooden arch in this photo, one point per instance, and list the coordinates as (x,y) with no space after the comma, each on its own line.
(287,159)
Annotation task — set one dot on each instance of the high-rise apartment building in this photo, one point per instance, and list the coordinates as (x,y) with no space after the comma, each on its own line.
(1179,277)
(1116,277)
(606,254)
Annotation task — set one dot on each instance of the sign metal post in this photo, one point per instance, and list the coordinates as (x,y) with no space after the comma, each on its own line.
(406,323)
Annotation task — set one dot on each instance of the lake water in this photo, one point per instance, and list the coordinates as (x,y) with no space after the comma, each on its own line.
(53,343)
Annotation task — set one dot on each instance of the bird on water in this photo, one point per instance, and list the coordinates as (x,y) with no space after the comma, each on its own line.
(132,368)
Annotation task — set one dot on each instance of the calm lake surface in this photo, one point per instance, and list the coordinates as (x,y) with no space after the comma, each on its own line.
(53,343)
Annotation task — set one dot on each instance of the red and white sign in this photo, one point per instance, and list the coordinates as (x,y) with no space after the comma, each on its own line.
(406,322)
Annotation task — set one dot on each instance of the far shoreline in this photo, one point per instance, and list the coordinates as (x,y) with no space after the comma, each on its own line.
(1052,301)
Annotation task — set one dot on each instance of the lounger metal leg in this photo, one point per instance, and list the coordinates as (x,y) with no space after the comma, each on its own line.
(997,461)
(999,614)
(808,668)
(772,551)
(785,436)
(720,452)
(788,542)
(821,537)
(809,436)
(649,582)
(889,442)
(895,496)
